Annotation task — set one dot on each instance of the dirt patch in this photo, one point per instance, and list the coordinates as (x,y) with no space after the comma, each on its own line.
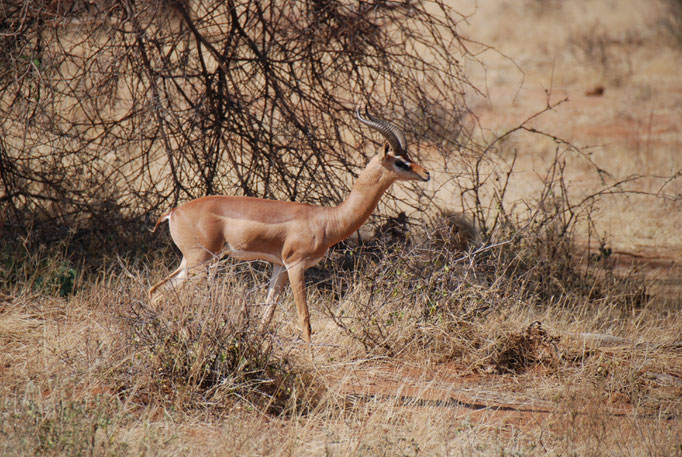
(524,402)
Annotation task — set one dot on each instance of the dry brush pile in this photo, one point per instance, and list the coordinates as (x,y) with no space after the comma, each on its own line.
(114,112)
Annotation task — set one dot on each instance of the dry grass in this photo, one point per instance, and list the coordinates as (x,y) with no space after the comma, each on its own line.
(436,352)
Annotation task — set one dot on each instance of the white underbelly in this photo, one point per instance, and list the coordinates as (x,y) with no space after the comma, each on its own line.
(252,255)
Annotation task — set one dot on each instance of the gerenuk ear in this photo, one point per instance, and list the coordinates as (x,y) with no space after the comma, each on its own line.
(387,147)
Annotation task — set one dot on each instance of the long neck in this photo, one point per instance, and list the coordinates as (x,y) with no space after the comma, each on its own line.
(346,218)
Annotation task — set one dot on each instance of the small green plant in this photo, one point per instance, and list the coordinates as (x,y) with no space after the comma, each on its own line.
(42,269)
(60,280)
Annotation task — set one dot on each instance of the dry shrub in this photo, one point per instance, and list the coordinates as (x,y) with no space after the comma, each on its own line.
(672,21)
(411,299)
(110,113)
(610,55)
(202,349)
(454,232)
(433,294)
(520,351)
(555,270)
(61,427)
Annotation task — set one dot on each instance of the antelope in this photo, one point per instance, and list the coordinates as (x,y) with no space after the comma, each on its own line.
(292,236)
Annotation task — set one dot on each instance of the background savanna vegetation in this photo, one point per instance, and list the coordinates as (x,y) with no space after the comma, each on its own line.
(525,302)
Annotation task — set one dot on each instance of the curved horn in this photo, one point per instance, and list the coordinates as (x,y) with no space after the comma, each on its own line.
(390,131)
